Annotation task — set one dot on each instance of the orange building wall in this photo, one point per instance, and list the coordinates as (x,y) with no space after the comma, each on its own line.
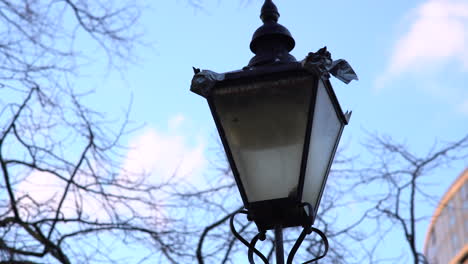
(447,236)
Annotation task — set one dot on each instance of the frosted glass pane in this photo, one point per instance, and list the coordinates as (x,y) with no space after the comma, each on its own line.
(325,130)
(265,126)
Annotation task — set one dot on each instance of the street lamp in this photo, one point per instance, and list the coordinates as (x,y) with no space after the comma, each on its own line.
(280,123)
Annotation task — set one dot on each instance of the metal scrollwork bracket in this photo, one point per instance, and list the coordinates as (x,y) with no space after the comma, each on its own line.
(308,229)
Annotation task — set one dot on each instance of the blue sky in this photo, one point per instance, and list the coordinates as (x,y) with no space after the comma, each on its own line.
(411,58)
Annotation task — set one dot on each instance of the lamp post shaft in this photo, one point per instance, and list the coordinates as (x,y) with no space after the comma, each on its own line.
(279,250)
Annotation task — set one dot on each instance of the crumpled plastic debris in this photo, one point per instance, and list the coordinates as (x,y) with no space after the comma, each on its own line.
(203,81)
(321,62)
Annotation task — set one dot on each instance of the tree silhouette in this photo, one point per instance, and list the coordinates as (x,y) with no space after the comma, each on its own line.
(65,196)
(388,191)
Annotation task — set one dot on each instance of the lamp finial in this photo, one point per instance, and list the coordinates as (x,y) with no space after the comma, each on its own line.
(271,42)
(269,12)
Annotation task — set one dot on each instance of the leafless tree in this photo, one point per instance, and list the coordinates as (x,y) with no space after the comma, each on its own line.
(399,180)
(211,240)
(362,203)
(65,193)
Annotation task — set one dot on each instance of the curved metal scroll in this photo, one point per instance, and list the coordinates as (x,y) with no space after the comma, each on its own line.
(260,236)
(304,233)
(308,229)
(251,245)
(296,246)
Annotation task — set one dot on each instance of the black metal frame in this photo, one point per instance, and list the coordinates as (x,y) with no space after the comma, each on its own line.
(250,75)
(288,211)
(344,121)
(305,150)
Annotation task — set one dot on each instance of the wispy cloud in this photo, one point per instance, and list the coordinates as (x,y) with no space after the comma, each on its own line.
(154,156)
(438,34)
(162,154)
(39,195)
(463,107)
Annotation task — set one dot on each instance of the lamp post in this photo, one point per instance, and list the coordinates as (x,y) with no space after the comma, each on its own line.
(280,123)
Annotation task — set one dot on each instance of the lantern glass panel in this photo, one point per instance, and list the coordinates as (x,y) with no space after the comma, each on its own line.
(264,124)
(326,129)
